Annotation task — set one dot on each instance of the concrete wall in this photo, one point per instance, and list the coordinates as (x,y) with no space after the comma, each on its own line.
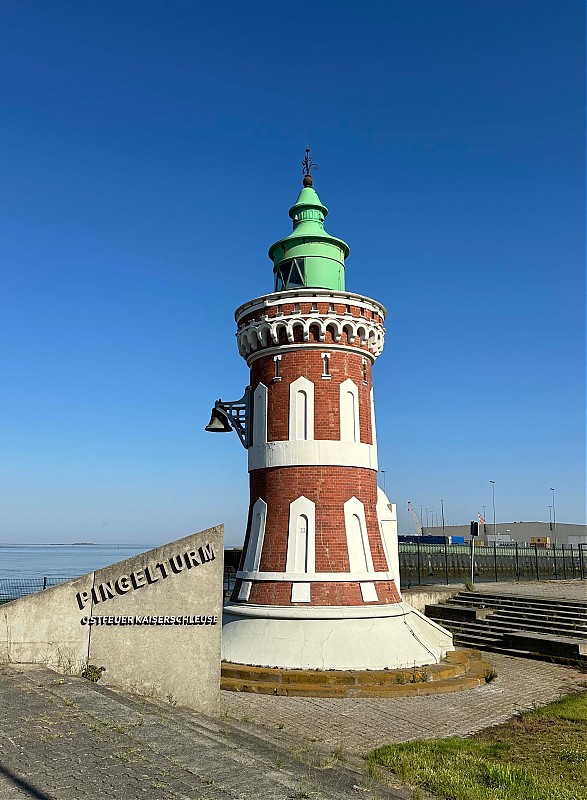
(153,621)
(521,532)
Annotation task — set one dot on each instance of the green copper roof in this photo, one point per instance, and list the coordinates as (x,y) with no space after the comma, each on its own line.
(309,256)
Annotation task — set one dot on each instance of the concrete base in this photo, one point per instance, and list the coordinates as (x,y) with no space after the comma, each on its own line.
(330,638)
(152,621)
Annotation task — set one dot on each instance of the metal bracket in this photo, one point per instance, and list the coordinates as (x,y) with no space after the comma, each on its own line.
(238,413)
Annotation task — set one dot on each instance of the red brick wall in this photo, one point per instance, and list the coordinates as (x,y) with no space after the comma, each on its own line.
(329,488)
(278,593)
(309,364)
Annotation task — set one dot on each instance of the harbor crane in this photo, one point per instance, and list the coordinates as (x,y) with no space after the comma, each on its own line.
(415,517)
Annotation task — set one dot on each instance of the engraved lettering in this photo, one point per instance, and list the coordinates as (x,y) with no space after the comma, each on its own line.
(176,564)
(138,578)
(107,590)
(123,584)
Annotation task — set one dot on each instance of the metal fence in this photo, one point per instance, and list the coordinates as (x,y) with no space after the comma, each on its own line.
(421,564)
(428,564)
(13,588)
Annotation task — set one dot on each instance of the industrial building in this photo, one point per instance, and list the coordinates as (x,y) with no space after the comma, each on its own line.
(524,533)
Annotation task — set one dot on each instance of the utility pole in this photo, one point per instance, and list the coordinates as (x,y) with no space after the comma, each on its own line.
(493,499)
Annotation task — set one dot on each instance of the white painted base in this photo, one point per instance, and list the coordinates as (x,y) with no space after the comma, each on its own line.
(392,636)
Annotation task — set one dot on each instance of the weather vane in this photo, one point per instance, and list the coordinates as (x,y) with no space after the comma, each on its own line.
(308,165)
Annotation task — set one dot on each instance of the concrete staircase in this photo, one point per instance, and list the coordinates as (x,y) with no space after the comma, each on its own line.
(523,626)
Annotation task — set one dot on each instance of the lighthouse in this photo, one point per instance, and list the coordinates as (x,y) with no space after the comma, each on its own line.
(318,585)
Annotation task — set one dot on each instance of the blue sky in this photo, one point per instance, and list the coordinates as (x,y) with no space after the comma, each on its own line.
(149,153)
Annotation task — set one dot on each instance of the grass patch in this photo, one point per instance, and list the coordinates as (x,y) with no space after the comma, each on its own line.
(540,755)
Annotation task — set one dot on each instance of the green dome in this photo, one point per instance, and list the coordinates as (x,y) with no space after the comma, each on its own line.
(308,257)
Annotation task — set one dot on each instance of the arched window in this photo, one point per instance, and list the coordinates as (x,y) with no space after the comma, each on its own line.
(301,547)
(359,550)
(356,545)
(349,412)
(301,415)
(373,431)
(255,546)
(301,410)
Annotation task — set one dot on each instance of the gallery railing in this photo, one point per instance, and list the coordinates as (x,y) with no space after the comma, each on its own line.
(421,564)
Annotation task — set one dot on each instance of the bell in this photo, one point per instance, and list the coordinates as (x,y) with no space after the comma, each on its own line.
(218,422)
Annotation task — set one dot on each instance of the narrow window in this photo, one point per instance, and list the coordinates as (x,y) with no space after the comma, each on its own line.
(364,370)
(301,415)
(255,545)
(300,562)
(349,412)
(331,308)
(301,547)
(277,360)
(301,410)
(360,559)
(314,306)
(326,365)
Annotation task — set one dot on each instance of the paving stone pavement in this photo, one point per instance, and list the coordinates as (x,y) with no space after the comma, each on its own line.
(63,738)
(360,724)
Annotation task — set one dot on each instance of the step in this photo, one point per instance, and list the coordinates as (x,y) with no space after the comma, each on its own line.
(476,640)
(444,611)
(474,676)
(537,625)
(546,608)
(536,615)
(473,627)
(546,645)
(524,599)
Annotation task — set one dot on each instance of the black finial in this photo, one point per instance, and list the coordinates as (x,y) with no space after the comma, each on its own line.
(308,164)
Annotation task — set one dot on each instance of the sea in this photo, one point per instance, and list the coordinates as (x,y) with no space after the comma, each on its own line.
(54,561)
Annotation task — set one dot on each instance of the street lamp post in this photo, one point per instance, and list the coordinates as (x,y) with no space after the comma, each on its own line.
(553,514)
(442,509)
(493,501)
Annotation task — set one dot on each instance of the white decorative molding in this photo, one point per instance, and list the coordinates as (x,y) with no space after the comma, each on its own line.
(301,410)
(350,430)
(264,332)
(301,546)
(260,415)
(322,612)
(369,592)
(256,537)
(301,540)
(292,348)
(360,559)
(309,295)
(301,593)
(245,590)
(387,517)
(315,577)
(318,452)
(373,428)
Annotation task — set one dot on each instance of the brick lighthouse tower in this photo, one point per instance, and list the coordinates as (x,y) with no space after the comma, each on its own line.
(318,583)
